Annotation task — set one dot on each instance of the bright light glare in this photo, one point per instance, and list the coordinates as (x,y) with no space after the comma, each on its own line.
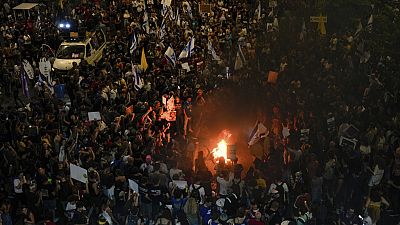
(221,150)
(61,25)
(67,25)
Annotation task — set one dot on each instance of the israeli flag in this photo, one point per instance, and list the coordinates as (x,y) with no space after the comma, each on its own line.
(188,50)
(138,80)
(259,131)
(134,44)
(170,55)
(163,31)
(213,52)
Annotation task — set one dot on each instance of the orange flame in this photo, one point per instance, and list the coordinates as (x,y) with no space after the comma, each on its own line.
(221,150)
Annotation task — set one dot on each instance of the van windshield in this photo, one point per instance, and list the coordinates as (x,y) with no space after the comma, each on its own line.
(71,52)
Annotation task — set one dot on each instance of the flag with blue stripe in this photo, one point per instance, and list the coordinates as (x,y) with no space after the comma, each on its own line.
(134,44)
(170,55)
(188,50)
(138,80)
(213,52)
(240,60)
(24,82)
(259,131)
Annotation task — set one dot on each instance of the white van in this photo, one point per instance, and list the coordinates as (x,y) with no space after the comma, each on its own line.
(91,49)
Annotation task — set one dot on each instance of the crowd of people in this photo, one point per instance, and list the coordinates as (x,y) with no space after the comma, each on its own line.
(331,154)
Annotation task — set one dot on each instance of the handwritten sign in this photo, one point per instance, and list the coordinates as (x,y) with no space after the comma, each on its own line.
(78,173)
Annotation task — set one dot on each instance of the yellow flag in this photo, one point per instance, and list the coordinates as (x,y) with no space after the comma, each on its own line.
(321,26)
(143,61)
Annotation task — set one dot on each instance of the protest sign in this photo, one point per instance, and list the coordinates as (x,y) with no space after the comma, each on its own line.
(78,173)
(182,72)
(186,67)
(166,2)
(205,8)
(94,116)
(181,184)
(232,152)
(347,142)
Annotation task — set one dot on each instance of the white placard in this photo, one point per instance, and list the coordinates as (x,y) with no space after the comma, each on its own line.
(181,184)
(166,2)
(186,67)
(78,173)
(347,142)
(133,185)
(94,116)
(273,4)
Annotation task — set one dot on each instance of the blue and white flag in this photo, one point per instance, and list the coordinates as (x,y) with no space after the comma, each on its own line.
(259,131)
(164,11)
(213,52)
(163,30)
(146,22)
(170,55)
(24,82)
(303,32)
(240,60)
(358,31)
(178,17)
(171,14)
(370,22)
(258,10)
(138,80)
(134,44)
(188,50)
(275,24)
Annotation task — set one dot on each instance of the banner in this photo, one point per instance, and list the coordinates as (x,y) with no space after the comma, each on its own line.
(78,173)
(45,68)
(28,69)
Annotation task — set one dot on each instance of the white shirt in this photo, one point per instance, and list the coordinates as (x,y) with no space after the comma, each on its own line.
(224,185)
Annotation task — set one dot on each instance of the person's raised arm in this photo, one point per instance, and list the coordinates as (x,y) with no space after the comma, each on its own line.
(385,202)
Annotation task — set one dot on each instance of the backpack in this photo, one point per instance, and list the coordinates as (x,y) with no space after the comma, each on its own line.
(281,191)
(132,219)
(195,193)
(236,187)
